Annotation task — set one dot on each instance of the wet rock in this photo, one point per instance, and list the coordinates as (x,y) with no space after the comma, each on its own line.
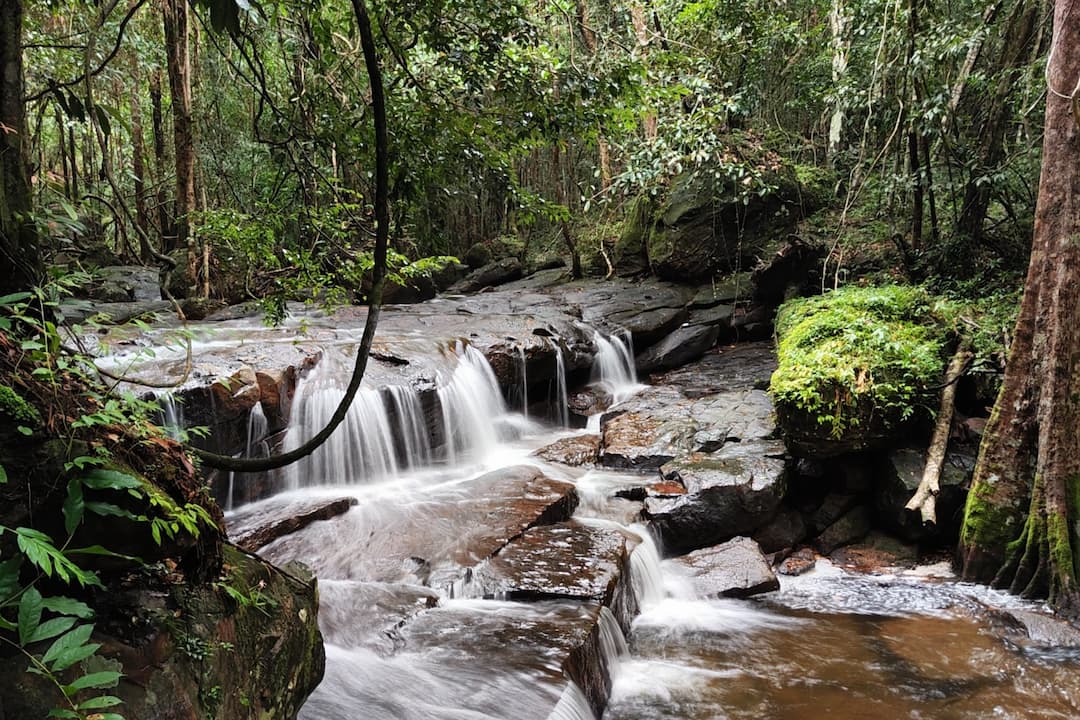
(787,529)
(852,526)
(590,401)
(274,656)
(831,509)
(573,451)
(563,561)
(736,568)
(877,552)
(117,313)
(253,527)
(648,434)
(648,309)
(490,275)
(719,316)
(791,269)
(680,347)
(367,614)
(629,254)
(541,643)
(726,290)
(733,491)
(436,541)
(1039,631)
(799,562)
(900,475)
(199,308)
(738,367)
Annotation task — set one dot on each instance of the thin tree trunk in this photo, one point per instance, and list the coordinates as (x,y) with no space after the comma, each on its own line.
(1024,501)
(165,225)
(19,246)
(138,171)
(178,61)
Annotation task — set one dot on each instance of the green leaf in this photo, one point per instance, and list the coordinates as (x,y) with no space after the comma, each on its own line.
(67,606)
(29,614)
(64,713)
(98,550)
(40,550)
(70,648)
(52,628)
(15,298)
(25,430)
(73,505)
(3,475)
(100,702)
(9,578)
(103,679)
(108,509)
(103,479)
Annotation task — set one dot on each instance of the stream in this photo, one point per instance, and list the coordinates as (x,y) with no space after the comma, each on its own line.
(471,579)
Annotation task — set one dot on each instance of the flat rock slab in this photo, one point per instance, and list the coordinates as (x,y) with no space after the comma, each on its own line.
(736,568)
(564,561)
(730,492)
(573,451)
(254,526)
(505,643)
(430,537)
(680,347)
(370,615)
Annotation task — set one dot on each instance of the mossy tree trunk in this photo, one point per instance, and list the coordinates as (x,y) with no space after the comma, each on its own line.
(20,252)
(1021,522)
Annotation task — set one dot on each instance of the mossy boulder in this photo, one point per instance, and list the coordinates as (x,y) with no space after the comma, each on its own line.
(719,216)
(629,255)
(857,368)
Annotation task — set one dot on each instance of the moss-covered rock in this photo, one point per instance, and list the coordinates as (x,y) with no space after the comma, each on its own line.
(629,256)
(855,367)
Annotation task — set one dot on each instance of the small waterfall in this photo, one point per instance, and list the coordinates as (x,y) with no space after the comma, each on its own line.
(172,415)
(614,362)
(412,429)
(573,705)
(613,645)
(561,396)
(360,450)
(255,446)
(524,382)
(646,575)
(472,405)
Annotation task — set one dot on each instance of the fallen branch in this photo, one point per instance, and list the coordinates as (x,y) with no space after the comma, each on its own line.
(925,498)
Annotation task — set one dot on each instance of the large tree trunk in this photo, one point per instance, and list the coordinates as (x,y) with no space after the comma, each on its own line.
(178,60)
(1020,526)
(20,252)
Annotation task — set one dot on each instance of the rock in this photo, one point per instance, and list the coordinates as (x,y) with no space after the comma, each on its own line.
(705,224)
(798,563)
(787,529)
(196,652)
(789,271)
(366,614)
(733,491)
(563,561)
(831,509)
(416,290)
(900,474)
(199,308)
(255,527)
(643,438)
(719,316)
(727,290)
(1040,630)
(736,568)
(739,367)
(629,255)
(458,527)
(573,451)
(648,309)
(590,401)
(492,274)
(680,347)
(852,526)
(477,256)
(876,553)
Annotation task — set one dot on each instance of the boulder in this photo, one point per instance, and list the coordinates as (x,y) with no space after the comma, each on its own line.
(680,347)
(733,491)
(629,255)
(786,530)
(573,451)
(720,316)
(256,526)
(490,275)
(793,268)
(799,562)
(900,474)
(851,527)
(736,568)
(726,290)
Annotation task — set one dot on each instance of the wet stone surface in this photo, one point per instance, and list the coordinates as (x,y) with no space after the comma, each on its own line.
(257,525)
(736,568)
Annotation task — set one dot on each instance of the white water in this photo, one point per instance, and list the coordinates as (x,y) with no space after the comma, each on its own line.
(613,366)
(524,381)
(472,406)
(412,428)
(255,445)
(172,415)
(562,402)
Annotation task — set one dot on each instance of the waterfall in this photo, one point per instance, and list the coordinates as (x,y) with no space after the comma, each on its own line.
(524,381)
(573,705)
(472,405)
(562,400)
(613,646)
(412,428)
(646,575)
(255,445)
(613,365)
(172,415)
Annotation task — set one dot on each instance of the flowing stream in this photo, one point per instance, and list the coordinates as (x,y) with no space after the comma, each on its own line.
(828,644)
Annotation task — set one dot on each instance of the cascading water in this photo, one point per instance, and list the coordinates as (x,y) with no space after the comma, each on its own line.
(255,446)
(472,405)
(562,401)
(613,366)
(524,380)
(172,415)
(413,432)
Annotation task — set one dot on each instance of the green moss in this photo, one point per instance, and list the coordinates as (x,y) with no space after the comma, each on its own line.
(988,526)
(857,352)
(816,185)
(15,407)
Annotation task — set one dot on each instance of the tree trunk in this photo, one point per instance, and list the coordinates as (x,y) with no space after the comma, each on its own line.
(138,171)
(20,251)
(168,235)
(178,60)
(1020,521)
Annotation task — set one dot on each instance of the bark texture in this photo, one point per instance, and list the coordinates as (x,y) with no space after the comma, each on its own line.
(1021,522)
(20,254)
(178,61)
